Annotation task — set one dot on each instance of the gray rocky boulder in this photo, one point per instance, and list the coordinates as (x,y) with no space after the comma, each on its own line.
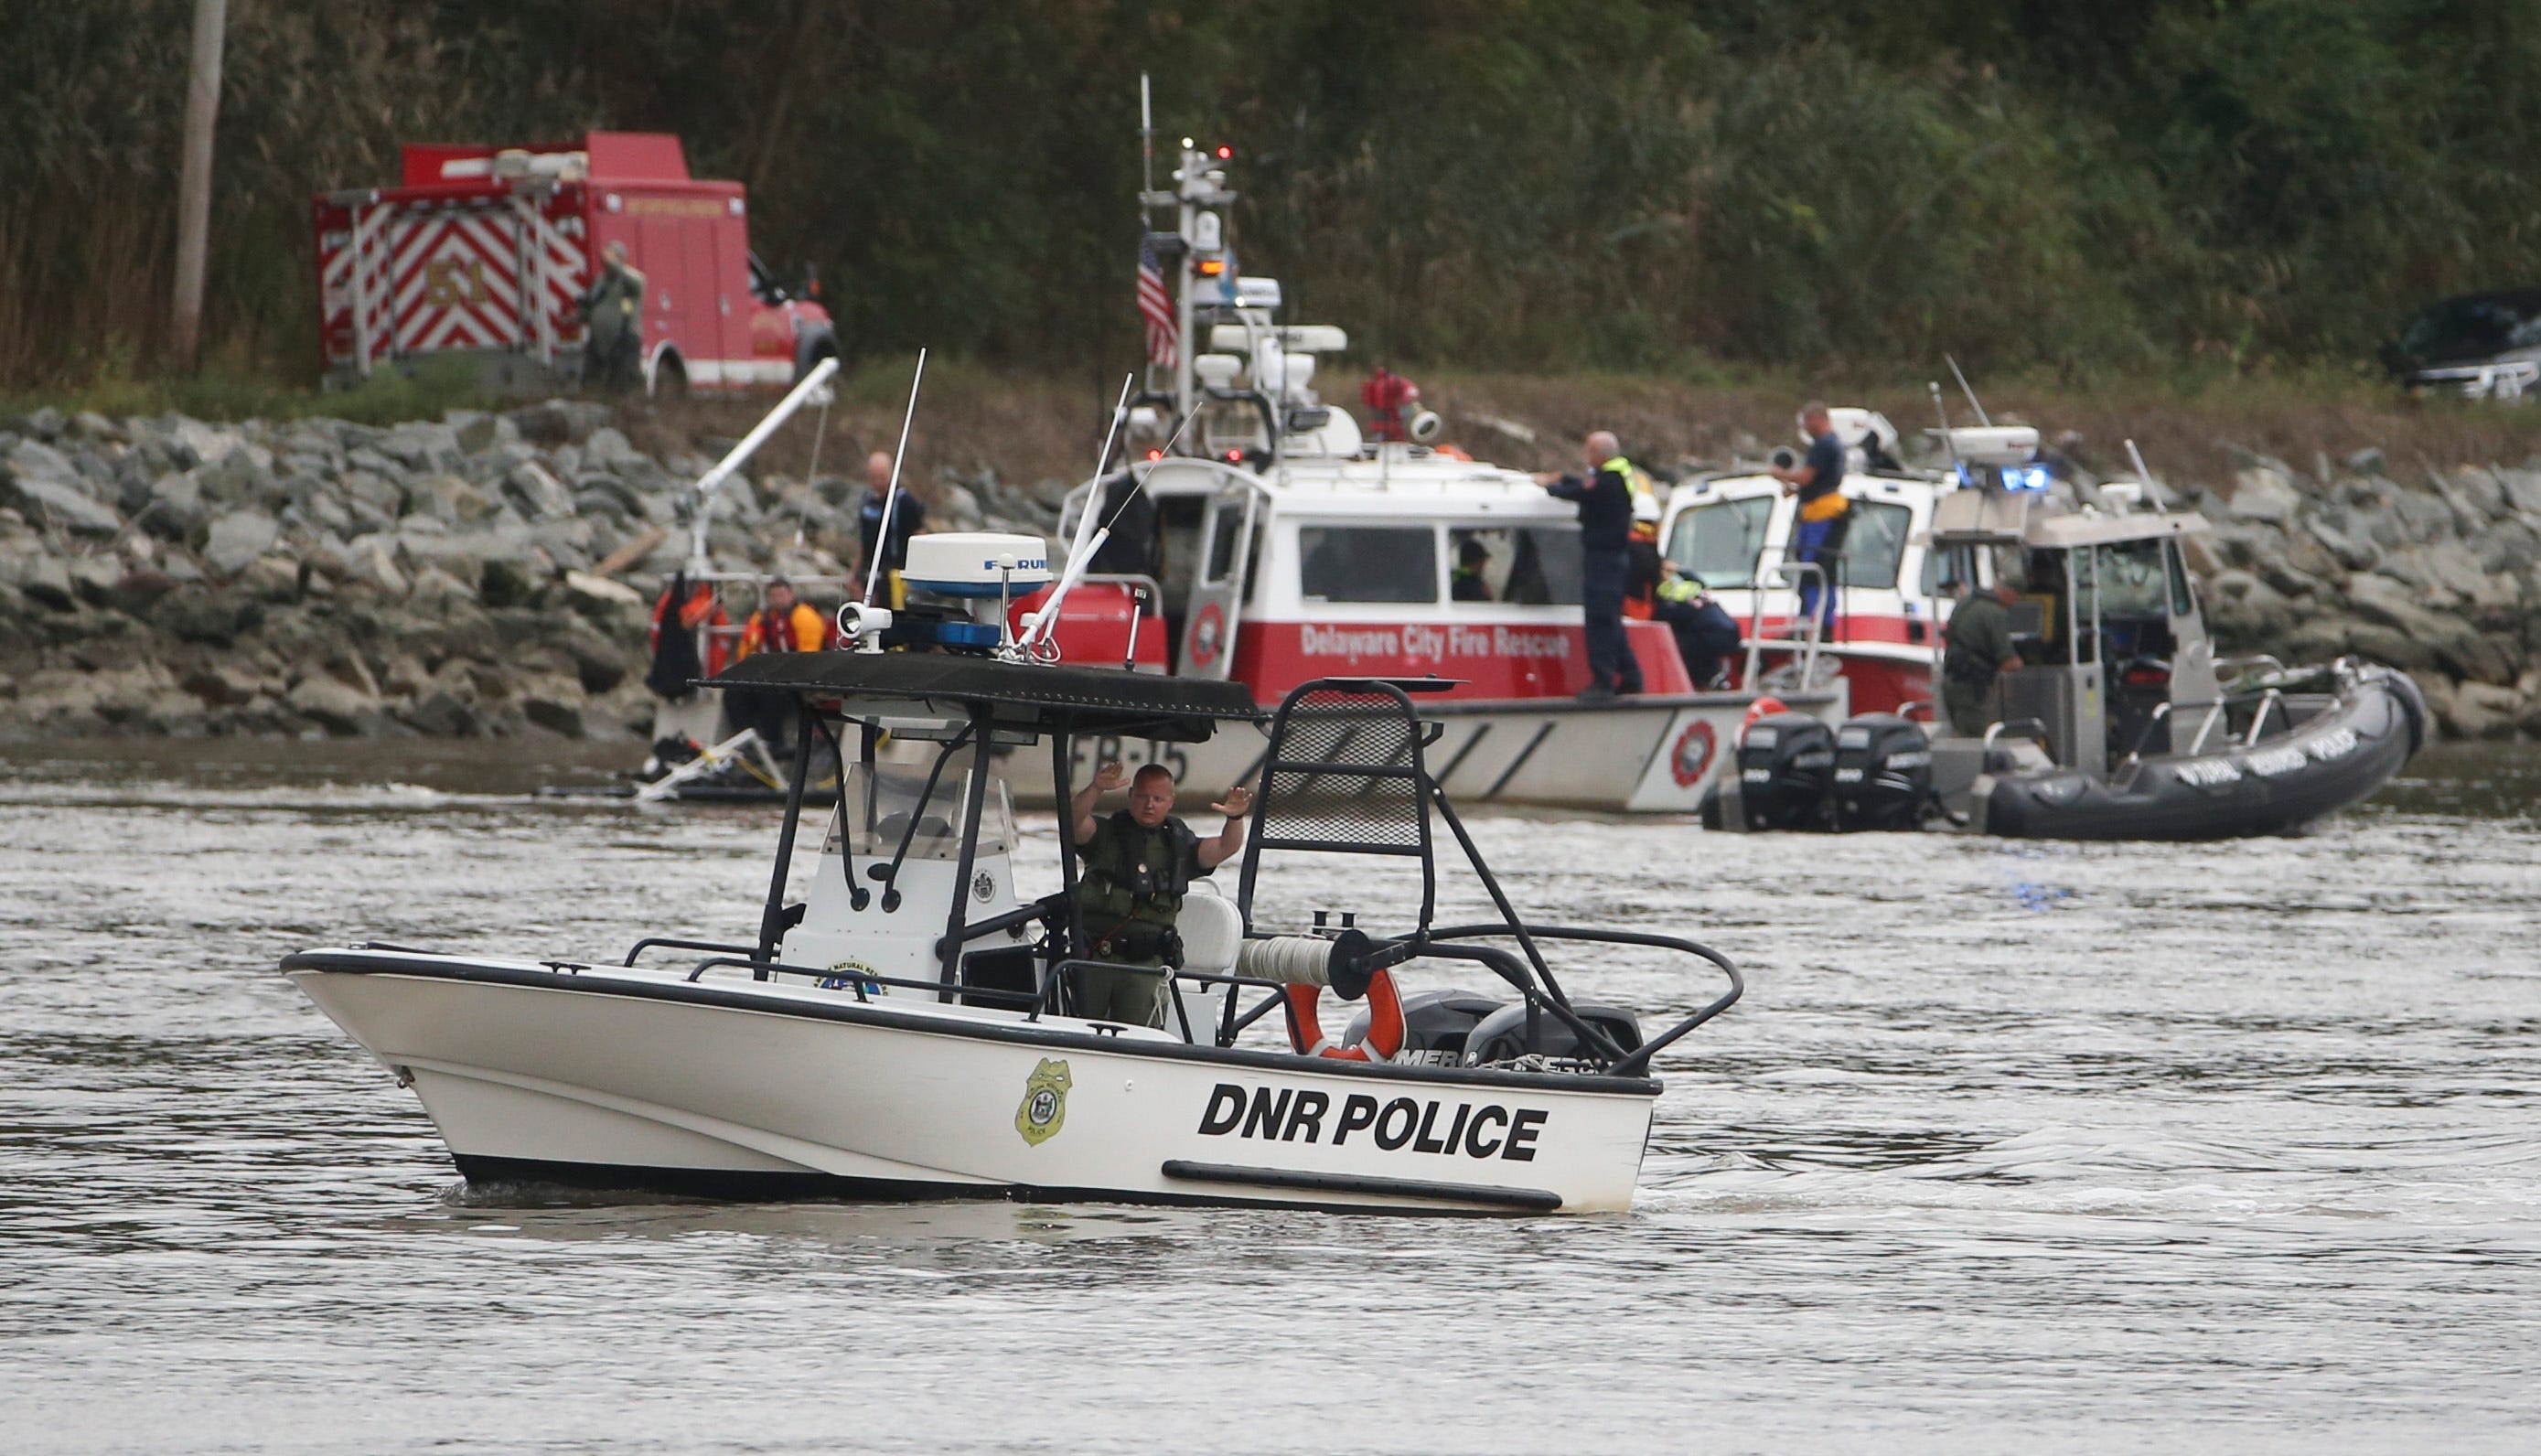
(2265,493)
(2522,490)
(337,706)
(237,539)
(61,506)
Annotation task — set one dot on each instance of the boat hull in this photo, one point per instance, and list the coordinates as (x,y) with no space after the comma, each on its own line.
(2273,787)
(646,1081)
(1642,755)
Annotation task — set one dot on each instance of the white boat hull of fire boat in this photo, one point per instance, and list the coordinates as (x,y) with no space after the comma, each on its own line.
(1638,756)
(642,1079)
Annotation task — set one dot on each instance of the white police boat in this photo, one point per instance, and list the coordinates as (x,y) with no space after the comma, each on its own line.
(900,1026)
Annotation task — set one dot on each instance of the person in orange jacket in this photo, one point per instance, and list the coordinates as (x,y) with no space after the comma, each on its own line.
(783,623)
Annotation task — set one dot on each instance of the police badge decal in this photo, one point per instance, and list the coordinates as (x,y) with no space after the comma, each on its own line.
(1045,1107)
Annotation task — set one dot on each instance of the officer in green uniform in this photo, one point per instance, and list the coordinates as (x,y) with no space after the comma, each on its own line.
(1138,865)
(614,311)
(1978,650)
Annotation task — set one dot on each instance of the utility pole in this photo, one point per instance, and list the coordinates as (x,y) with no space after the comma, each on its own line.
(194,182)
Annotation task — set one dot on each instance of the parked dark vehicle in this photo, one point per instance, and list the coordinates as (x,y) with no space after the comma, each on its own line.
(2488,345)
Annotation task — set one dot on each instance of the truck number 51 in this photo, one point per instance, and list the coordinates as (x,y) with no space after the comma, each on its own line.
(448,280)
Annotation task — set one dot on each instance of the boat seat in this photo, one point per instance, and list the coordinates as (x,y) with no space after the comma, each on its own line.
(1213,931)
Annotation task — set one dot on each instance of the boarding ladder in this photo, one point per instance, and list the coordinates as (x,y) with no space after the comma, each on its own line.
(1805,630)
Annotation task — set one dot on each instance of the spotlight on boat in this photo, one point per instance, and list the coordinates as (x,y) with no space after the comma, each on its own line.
(1426,425)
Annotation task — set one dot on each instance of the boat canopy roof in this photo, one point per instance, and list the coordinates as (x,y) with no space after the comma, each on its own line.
(1014,694)
(2040,521)
(2065,532)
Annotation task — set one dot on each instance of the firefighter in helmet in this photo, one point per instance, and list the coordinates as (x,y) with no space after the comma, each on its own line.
(613,314)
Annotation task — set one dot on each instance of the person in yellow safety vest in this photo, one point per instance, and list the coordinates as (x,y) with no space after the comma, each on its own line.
(1604,496)
(1705,634)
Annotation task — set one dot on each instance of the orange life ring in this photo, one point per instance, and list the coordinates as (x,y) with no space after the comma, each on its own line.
(1384,1023)
(1762,706)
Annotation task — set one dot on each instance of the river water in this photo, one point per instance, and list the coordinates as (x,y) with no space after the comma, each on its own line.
(2009,1147)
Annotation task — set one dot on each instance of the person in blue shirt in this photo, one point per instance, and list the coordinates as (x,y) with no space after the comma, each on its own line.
(1818,536)
(1604,494)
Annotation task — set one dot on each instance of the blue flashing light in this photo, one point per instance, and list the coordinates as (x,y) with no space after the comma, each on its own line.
(2024,477)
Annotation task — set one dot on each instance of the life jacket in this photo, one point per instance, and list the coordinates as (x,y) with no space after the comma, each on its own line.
(1680,588)
(1643,574)
(1633,475)
(1108,892)
(766,632)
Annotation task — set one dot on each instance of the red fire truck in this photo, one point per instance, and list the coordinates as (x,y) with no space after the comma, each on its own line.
(484,253)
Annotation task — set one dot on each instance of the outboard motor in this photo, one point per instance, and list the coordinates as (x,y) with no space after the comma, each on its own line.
(1502,1035)
(1883,773)
(1785,772)
(1435,1025)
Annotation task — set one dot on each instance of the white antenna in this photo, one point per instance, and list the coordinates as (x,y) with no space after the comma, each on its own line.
(1091,532)
(2146,475)
(1948,443)
(891,500)
(1973,401)
(1146,147)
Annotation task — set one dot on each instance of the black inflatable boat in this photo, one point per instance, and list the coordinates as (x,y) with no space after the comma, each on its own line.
(2337,748)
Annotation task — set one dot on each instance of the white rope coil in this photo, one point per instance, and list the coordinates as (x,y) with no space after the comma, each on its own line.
(1295,960)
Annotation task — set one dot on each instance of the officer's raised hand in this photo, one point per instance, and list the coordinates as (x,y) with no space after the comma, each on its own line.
(1080,809)
(1230,839)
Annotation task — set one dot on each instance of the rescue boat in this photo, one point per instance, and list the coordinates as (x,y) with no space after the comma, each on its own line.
(903,1028)
(1275,539)
(2121,722)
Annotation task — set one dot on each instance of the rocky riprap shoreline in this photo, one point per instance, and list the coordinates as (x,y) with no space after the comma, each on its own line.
(480,575)
(2437,572)
(493,574)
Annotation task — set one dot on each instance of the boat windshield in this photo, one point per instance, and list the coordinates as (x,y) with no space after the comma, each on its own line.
(1720,543)
(1874,544)
(875,806)
(2130,578)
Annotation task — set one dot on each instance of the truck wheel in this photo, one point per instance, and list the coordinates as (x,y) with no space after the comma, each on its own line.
(670,379)
(814,346)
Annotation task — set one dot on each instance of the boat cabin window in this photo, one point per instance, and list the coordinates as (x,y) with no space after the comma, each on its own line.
(1225,537)
(875,806)
(2183,600)
(1525,565)
(1367,564)
(2134,580)
(1874,545)
(1720,542)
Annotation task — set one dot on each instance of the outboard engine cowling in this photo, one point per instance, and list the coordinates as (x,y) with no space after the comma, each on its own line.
(1504,1035)
(1883,773)
(1786,772)
(1435,1025)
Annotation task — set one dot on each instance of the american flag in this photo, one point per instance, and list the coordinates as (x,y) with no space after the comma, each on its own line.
(1155,305)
